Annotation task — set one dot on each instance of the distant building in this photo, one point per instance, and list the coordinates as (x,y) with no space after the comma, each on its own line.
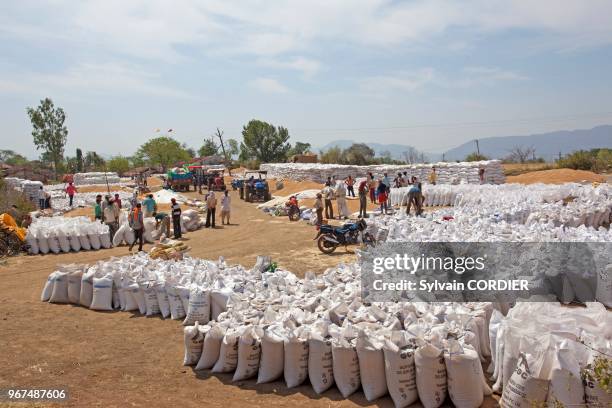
(304,158)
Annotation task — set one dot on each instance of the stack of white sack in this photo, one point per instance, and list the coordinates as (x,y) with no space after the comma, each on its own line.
(81,179)
(31,189)
(61,234)
(191,220)
(447,173)
(166,196)
(125,234)
(154,286)
(61,203)
(272,325)
(544,354)
(569,205)
(14,182)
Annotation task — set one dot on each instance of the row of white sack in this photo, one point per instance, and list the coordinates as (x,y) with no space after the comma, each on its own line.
(462,228)
(409,369)
(96,178)
(467,172)
(547,353)
(60,234)
(527,206)
(71,285)
(60,201)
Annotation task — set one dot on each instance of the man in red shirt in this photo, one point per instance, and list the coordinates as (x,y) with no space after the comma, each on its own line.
(117,201)
(70,190)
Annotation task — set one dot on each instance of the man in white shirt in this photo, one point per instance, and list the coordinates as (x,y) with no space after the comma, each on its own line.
(225,208)
(41,198)
(211,207)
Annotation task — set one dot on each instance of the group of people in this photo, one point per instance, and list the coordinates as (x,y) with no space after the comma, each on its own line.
(211,209)
(378,191)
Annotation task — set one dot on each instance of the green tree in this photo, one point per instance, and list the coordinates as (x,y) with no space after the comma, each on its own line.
(475,157)
(232,148)
(94,162)
(12,158)
(79,160)
(49,132)
(209,148)
(299,148)
(333,155)
(71,165)
(264,142)
(359,154)
(118,164)
(603,160)
(162,151)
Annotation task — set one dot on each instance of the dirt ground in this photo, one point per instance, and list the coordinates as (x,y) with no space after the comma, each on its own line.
(556,176)
(118,359)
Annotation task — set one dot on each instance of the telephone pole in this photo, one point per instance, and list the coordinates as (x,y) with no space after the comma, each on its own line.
(219,134)
(477,147)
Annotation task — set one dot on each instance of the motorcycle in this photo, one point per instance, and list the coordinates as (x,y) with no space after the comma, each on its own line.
(329,237)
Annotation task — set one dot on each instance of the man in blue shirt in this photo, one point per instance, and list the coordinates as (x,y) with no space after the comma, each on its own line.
(150,206)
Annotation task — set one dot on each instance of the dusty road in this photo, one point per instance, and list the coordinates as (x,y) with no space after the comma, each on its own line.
(119,359)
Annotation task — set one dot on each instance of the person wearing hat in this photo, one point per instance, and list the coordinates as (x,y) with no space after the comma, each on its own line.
(176,218)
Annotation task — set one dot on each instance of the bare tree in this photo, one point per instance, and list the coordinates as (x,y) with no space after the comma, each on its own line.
(521,154)
(411,155)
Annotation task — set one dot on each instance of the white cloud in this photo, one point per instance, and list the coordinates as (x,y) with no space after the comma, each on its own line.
(158,29)
(91,78)
(307,66)
(400,81)
(269,85)
(408,81)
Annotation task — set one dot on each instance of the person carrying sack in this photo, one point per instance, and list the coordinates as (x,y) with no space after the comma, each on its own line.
(137,225)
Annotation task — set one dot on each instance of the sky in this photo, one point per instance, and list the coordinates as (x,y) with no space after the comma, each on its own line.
(430,73)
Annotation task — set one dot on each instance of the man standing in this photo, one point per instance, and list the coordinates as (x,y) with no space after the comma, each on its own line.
(150,206)
(363,199)
(70,190)
(176,218)
(372,187)
(137,225)
(343,211)
(41,198)
(211,207)
(318,206)
(433,177)
(225,208)
(111,218)
(117,201)
(350,181)
(98,208)
(329,196)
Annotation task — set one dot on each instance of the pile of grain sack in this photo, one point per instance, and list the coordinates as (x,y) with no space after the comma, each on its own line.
(448,173)
(29,188)
(81,179)
(273,325)
(569,205)
(61,203)
(59,234)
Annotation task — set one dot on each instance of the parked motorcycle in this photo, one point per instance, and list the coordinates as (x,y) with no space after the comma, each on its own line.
(330,237)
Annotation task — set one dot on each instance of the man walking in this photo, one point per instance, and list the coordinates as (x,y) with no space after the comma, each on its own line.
(225,208)
(211,207)
(137,225)
(111,218)
(363,199)
(329,196)
(70,190)
(176,218)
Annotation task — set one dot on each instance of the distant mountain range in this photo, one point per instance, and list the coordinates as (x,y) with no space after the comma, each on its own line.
(546,145)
